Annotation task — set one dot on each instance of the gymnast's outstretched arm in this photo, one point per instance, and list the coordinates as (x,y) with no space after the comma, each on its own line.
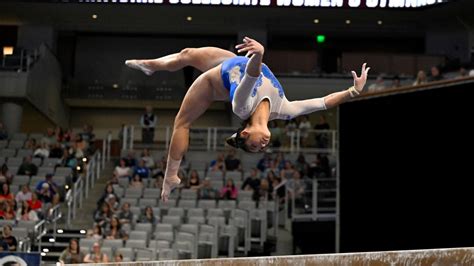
(297,108)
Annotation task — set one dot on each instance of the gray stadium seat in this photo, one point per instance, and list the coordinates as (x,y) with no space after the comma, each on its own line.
(19,137)
(44,170)
(50,162)
(14,162)
(152,193)
(189,194)
(166,254)
(113,243)
(246,205)
(197,220)
(16,144)
(144,227)
(176,212)
(234,175)
(158,244)
(187,203)
(7,153)
(207,204)
(87,242)
(132,201)
(127,253)
(3,144)
(145,255)
(133,193)
(245,195)
(164,228)
(147,202)
(63,171)
(20,180)
(24,152)
(135,243)
(174,220)
(215,213)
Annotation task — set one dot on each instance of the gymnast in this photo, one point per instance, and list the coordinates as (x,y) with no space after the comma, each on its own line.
(255,93)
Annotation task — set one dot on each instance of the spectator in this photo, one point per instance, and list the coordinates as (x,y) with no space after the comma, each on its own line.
(109,190)
(264,162)
(68,136)
(8,238)
(49,138)
(147,216)
(125,216)
(304,127)
(24,194)
(420,78)
(25,213)
(122,170)
(296,188)
(229,191)
(148,123)
(35,204)
(87,135)
(207,191)
(148,159)
(252,183)
(42,151)
(301,165)
(279,161)
(321,167)
(103,215)
(287,172)
(265,191)
(112,201)
(68,159)
(136,182)
(322,139)
(27,167)
(115,230)
(273,167)
(217,164)
(72,254)
(3,246)
(5,175)
(48,190)
(6,211)
(194,181)
(158,183)
(96,255)
(95,233)
(118,257)
(276,133)
(56,151)
(142,170)
(396,82)
(379,85)
(435,74)
(130,160)
(30,144)
(463,72)
(6,195)
(231,162)
(59,134)
(3,132)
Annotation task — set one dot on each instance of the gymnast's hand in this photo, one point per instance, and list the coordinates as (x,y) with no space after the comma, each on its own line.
(359,82)
(250,46)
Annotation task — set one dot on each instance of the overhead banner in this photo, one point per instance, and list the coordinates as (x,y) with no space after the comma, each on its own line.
(285,3)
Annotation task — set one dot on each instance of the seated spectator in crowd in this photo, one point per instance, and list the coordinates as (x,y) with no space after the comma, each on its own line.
(142,170)
(158,181)
(194,181)
(396,82)
(6,195)
(420,78)
(30,144)
(25,213)
(265,190)
(59,134)
(229,191)
(296,187)
(113,203)
(301,165)
(114,231)
(95,233)
(47,190)
(264,163)
(231,162)
(252,183)
(322,139)
(23,195)
(435,74)
(207,191)
(96,255)
(35,204)
(217,164)
(125,216)
(122,170)
(27,167)
(3,132)
(8,238)
(5,175)
(109,190)
(321,167)
(87,134)
(103,215)
(3,246)
(6,211)
(147,216)
(287,172)
(379,85)
(290,130)
(56,151)
(148,159)
(42,151)
(273,167)
(271,176)
(68,136)
(304,126)
(68,159)
(130,160)
(462,73)
(136,182)
(72,254)
(50,138)
(118,257)
(276,133)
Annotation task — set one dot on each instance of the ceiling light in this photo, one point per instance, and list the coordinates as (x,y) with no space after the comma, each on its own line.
(316,21)
(94,16)
(348,21)
(189,18)
(380,22)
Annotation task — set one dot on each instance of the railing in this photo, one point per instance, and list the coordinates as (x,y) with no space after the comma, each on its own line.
(39,230)
(213,139)
(19,62)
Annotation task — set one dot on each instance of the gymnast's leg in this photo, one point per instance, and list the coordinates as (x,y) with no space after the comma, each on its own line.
(203,58)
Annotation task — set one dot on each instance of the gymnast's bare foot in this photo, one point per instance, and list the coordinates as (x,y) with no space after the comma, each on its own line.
(140,65)
(168,185)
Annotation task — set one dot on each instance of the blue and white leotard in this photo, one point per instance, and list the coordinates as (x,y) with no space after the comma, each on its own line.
(246,92)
